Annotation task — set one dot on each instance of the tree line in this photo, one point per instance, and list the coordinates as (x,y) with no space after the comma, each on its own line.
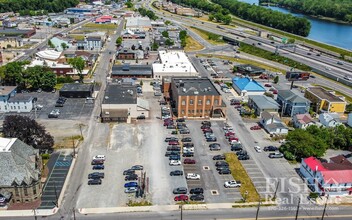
(150,14)
(254,13)
(14,74)
(314,141)
(340,10)
(25,6)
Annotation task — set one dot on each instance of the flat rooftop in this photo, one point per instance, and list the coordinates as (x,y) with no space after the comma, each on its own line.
(173,62)
(324,94)
(76,87)
(195,86)
(133,70)
(120,94)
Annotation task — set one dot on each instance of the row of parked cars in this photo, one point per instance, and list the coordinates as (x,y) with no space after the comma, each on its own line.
(131,175)
(97,163)
(235,143)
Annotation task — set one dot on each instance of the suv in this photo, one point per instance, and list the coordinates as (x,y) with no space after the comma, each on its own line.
(131,177)
(129,172)
(176,173)
(224,171)
(232,184)
(180,190)
(95,175)
(196,191)
(221,164)
(243,157)
(276,155)
(270,148)
(236,148)
(197,197)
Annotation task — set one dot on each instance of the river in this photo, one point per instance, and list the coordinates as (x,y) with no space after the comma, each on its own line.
(336,34)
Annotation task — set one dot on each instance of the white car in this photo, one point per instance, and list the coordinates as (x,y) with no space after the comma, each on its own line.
(232,184)
(193,176)
(99,157)
(258,149)
(131,190)
(188,149)
(175,163)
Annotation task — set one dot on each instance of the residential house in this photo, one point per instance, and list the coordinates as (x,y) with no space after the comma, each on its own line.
(333,178)
(273,124)
(10,42)
(261,103)
(90,43)
(330,120)
(247,86)
(20,171)
(105,19)
(303,121)
(122,104)
(292,103)
(325,101)
(10,101)
(196,97)
(25,33)
(126,54)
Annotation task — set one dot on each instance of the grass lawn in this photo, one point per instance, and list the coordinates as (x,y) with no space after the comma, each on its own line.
(245,61)
(240,174)
(100,26)
(59,86)
(77,36)
(204,35)
(192,45)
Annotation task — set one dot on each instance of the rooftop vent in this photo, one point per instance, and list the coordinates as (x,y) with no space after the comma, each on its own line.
(196,92)
(184,89)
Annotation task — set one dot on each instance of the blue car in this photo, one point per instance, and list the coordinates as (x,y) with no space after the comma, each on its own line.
(131,184)
(98,167)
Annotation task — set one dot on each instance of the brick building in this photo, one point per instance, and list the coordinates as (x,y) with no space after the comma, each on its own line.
(196,97)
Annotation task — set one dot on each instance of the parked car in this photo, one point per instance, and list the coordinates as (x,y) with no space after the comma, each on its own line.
(270,148)
(267,85)
(169,153)
(137,167)
(99,157)
(243,157)
(94,182)
(174,143)
(215,147)
(96,175)
(225,167)
(187,139)
(196,191)
(224,171)
(98,167)
(131,184)
(181,198)
(232,184)
(221,163)
(206,123)
(174,157)
(189,161)
(211,139)
(242,152)
(188,154)
(173,148)
(219,157)
(188,145)
(193,176)
(180,120)
(128,172)
(131,177)
(197,197)
(131,190)
(97,162)
(175,163)
(258,149)
(236,148)
(176,173)
(171,127)
(180,190)
(184,131)
(276,155)
(255,127)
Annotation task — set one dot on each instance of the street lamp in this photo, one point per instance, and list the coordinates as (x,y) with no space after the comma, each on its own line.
(245,196)
(181,208)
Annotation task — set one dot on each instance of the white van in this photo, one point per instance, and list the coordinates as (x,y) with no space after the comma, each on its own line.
(99,157)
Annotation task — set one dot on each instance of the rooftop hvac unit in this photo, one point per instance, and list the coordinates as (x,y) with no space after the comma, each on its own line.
(184,89)
(106,97)
(196,92)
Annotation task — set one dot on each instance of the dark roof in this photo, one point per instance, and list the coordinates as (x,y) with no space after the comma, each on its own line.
(76,87)
(324,94)
(120,94)
(93,38)
(341,159)
(289,95)
(127,69)
(15,31)
(21,98)
(250,68)
(195,86)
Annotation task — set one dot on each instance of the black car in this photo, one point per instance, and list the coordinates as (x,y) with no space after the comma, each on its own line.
(221,163)
(94,182)
(171,139)
(211,139)
(129,172)
(236,148)
(197,197)
(59,105)
(174,157)
(97,162)
(205,126)
(243,157)
(176,173)
(206,123)
(131,177)
(188,154)
(222,168)
(225,171)
(188,145)
(219,157)
(184,131)
(242,152)
(187,139)
(270,148)
(196,191)
(180,120)
(96,175)
(169,153)
(173,148)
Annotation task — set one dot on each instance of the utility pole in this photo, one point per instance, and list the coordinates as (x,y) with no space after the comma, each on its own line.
(35,214)
(299,201)
(277,187)
(74,213)
(74,148)
(256,216)
(326,203)
(181,208)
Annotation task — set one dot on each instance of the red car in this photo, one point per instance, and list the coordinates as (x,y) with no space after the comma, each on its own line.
(256,127)
(232,138)
(229,134)
(181,198)
(263,77)
(189,161)
(173,143)
(207,130)
(275,92)
(267,85)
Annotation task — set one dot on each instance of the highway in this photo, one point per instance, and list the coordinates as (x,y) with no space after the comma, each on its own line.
(323,62)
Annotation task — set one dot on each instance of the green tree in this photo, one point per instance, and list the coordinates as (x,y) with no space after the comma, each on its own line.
(155,46)
(129,4)
(169,42)
(51,45)
(64,46)
(211,17)
(227,19)
(72,20)
(12,73)
(141,83)
(78,64)
(276,79)
(39,77)
(165,34)
(119,41)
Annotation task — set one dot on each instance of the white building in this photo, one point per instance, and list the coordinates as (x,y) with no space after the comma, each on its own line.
(138,23)
(272,124)
(330,119)
(302,121)
(49,54)
(10,101)
(173,63)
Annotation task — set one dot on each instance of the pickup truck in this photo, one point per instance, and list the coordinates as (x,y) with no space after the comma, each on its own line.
(232,184)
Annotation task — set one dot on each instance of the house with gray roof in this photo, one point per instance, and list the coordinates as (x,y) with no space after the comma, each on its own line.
(20,171)
(273,124)
(292,103)
(261,103)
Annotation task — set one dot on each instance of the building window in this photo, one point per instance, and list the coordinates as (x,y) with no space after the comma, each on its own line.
(216,102)
(183,112)
(191,101)
(25,191)
(183,102)
(199,102)
(192,111)
(34,190)
(25,107)
(207,102)
(17,193)
(189,111)
(201,111)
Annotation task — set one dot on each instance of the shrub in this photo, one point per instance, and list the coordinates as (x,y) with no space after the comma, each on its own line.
(45,156)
